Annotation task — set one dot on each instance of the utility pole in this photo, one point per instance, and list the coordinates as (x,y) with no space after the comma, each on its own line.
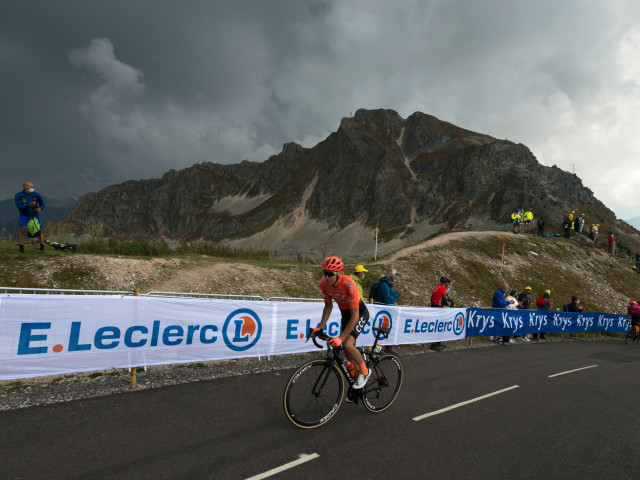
(573,170)
(375,253)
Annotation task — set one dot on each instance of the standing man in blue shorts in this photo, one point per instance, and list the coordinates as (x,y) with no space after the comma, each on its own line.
(30,204)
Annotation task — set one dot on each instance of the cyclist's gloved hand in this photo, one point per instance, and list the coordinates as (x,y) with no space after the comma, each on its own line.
(335,342)
(315,331)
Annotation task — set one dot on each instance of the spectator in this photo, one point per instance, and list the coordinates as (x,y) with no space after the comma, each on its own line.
(566,225)
(440,299)
(29,204)
(516,219)
(387,295)
(541,226)
(573,307)
(528,216)
(594,232)
(571,219)
(638,260)
(524,300)
(580,223)
(544,303)
(513,305)
(610,243)
(499,301)
(358,276)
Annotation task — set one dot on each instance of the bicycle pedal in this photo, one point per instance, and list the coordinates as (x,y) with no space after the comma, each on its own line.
(352,396)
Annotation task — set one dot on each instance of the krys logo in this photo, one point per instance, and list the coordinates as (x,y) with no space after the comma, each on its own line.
(458,323)
(241,330)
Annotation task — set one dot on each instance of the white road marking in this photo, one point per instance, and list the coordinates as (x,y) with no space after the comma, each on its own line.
(284,467)
(571,371)
(442,410)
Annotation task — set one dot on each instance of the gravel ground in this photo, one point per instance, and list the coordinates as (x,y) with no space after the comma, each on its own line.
(47,390)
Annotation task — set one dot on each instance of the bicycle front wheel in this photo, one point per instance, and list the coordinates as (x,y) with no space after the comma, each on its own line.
(313,394)
(384,383)
(628,336)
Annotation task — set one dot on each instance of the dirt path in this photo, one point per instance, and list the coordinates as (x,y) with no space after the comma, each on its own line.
(440,240)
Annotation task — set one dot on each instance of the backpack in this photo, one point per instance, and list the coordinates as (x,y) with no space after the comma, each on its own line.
(373,292)
(539,301)
(33,227)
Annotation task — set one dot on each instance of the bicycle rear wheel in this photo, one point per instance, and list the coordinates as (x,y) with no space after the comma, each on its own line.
(313,394)
(384,383)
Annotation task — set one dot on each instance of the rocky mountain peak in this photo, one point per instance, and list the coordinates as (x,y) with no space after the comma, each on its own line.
(410,178)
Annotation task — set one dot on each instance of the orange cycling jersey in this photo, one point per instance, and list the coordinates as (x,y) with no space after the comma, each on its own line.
(344,292)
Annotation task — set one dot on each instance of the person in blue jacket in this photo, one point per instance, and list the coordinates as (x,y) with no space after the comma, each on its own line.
(29,203)
(499,301)
(387,295)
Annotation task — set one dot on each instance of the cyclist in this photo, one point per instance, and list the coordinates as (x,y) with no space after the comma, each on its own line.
(633,314)
(355,315)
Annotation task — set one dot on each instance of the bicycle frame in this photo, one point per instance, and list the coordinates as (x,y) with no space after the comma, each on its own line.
(333,356)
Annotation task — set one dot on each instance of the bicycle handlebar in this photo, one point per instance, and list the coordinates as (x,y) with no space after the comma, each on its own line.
(381,332)
(320,335)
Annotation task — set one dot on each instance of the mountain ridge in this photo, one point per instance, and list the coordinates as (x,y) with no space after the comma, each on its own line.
(409,178)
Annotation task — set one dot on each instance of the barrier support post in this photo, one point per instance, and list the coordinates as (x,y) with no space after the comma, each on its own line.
(471,341)
(134,370)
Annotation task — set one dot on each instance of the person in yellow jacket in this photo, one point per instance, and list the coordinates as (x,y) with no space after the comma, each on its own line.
(516,218)
(358,275)
(528,216)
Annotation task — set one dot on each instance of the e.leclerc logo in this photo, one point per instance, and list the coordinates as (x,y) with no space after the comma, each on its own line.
(241,330)
(383,319)
(458,323)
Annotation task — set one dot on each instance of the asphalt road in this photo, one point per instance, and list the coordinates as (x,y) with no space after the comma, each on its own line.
(582,424)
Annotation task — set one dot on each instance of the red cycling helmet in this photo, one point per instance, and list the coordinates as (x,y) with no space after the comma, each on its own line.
(332,264)
(633,303)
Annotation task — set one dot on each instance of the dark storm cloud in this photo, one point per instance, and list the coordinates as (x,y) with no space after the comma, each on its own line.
(101,92)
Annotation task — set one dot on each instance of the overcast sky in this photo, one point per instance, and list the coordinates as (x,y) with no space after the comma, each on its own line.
(98,92)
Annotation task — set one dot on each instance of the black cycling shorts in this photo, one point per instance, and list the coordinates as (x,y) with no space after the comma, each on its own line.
(363,318)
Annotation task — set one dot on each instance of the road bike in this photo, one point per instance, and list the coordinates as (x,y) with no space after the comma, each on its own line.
(632,335)
(315,391)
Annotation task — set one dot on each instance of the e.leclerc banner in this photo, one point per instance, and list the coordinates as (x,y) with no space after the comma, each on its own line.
(56,334)
(481,322)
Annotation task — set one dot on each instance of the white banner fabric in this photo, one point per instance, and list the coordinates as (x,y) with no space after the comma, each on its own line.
(56,334)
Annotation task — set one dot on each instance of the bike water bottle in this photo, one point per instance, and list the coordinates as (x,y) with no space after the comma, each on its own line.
(351,369)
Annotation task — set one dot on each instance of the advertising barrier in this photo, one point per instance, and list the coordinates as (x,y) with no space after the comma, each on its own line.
(482,322)
(56,334)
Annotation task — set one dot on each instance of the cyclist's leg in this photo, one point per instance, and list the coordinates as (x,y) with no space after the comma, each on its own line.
(349,345)
(351,352)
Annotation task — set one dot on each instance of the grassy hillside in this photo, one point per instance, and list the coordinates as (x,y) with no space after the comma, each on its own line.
(603,282)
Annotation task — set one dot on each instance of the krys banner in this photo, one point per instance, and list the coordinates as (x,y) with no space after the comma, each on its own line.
(481,322)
